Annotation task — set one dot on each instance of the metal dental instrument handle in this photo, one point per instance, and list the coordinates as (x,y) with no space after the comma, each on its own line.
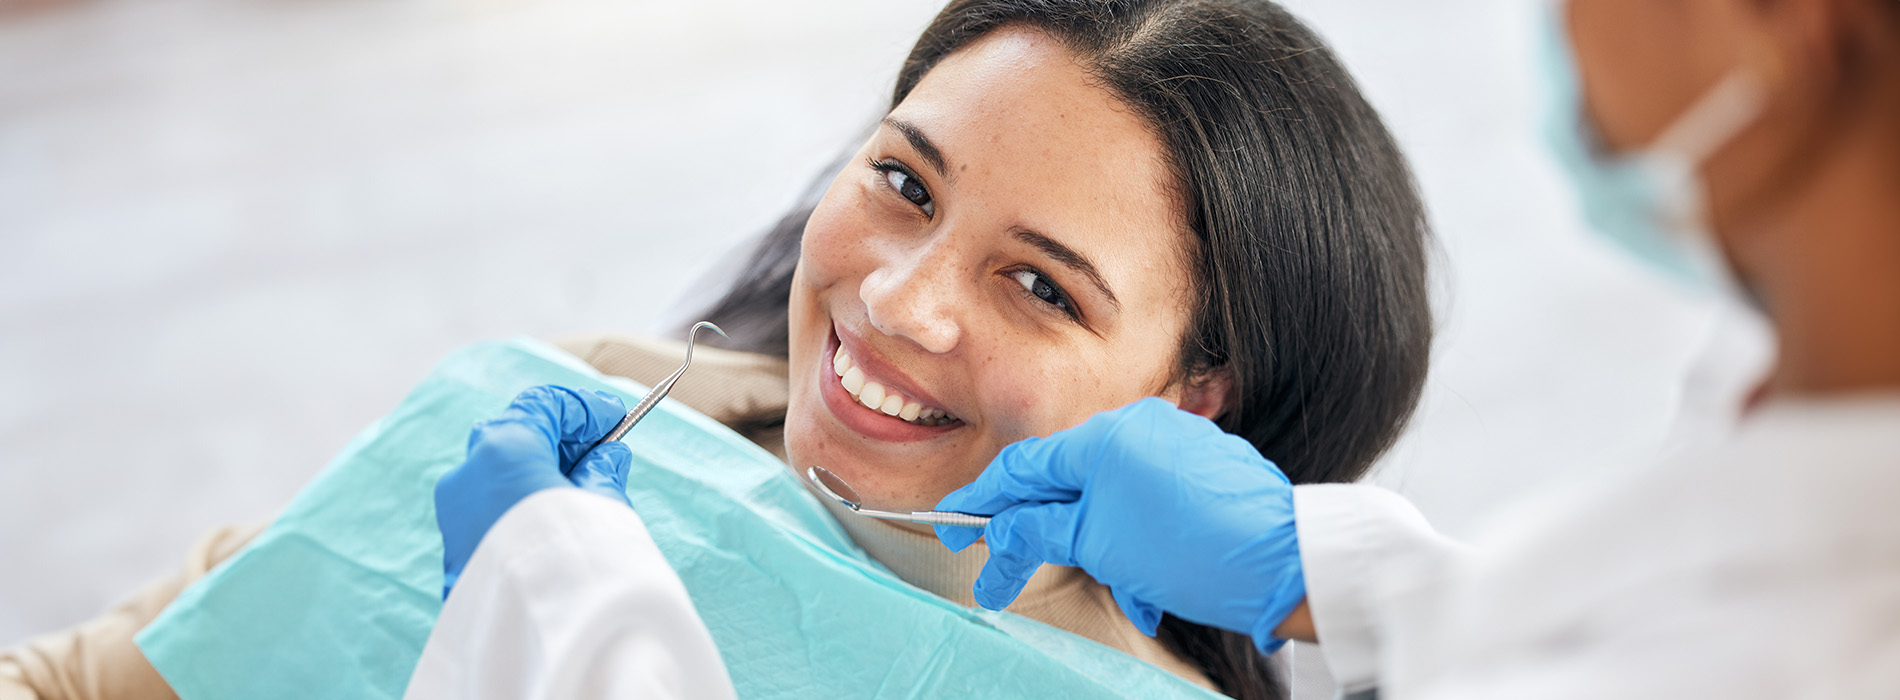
(660,390)
(830,485)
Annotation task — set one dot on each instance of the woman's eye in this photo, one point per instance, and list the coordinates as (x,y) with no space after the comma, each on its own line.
(907,186)
(1041,288)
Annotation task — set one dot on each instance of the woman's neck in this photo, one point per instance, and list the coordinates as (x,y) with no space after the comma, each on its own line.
(1828,266)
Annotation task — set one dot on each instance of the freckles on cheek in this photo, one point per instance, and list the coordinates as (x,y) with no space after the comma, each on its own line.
(815,267)
(1069,400)
(1031,404)
(833,235)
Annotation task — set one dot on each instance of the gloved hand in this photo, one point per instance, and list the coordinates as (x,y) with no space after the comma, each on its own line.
(539,442)
(1157,503)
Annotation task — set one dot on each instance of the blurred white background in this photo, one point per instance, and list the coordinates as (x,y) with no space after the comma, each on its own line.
(232,233)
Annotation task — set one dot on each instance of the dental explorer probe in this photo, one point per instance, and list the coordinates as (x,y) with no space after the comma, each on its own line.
(661,389)
(831,485)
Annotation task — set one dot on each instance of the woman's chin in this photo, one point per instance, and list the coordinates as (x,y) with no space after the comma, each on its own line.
(882,482)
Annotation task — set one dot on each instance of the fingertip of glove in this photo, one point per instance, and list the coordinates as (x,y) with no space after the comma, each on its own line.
(1145,617)
(989,598)
(1003,578)
(615,450)
(611,398)
(951,504)
(1150,622)
(964,499)
(956,538)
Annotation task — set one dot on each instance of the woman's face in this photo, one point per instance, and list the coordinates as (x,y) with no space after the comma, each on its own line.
(1005,252)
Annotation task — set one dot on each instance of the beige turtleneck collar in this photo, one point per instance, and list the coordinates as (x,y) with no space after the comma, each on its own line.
(1059,596)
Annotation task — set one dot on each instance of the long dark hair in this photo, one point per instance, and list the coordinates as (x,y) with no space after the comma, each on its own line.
(1310,289)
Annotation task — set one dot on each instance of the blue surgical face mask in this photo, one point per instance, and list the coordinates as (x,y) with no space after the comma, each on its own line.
(1650,201)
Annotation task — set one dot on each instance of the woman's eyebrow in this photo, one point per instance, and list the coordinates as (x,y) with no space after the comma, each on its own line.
(1061,253)
(922,143)
(1069,258)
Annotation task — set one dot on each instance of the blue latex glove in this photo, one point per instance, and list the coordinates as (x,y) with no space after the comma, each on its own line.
(1157,503)
(539,442)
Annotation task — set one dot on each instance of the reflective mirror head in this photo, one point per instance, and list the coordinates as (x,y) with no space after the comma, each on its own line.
(833,487)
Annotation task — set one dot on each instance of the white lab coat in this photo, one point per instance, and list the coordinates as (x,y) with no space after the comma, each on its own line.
(1765,566)
(567,597)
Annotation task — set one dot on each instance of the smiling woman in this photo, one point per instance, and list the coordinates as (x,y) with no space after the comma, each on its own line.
(1073,205)
(1012,232)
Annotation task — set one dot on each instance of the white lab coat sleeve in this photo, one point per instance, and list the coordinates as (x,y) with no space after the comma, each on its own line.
(568,597)
(1358,543)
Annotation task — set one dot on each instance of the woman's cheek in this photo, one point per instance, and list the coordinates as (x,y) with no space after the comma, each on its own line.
(817,251)
(1066,397)
(1021,402)
(836,233)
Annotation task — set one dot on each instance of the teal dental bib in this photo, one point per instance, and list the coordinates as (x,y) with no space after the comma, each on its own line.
(336,598)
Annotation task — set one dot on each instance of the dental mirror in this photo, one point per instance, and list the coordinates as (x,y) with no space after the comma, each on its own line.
(835,488)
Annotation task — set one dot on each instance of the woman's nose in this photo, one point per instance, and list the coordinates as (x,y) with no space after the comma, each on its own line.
(915,298)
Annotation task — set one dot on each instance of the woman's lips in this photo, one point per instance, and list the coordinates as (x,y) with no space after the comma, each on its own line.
(875,423)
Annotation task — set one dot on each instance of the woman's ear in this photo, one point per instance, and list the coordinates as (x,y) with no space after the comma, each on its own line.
(1208,395)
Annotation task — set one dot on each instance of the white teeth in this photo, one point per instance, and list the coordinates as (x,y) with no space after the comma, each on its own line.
(879,398)
(872,396)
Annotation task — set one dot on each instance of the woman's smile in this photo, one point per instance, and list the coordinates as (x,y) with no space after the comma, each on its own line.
(872,398)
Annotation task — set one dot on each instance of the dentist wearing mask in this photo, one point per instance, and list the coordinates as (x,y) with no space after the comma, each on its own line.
(1749,148)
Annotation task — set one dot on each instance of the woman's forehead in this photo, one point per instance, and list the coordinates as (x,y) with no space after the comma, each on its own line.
(1024,132)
